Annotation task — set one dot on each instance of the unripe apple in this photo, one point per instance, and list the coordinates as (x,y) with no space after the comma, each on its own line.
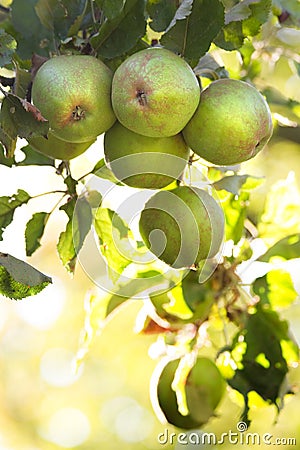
(74,94)
(204,389)
(155,93)
(142,161)
(182,226)
(57,148)
(231,124)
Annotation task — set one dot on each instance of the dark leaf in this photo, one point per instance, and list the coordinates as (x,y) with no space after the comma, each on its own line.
(79,224)
(111,9)
(191,37)
(259,351)
(33,36)
(18,279)
(8,206)
(4,160)
(62,18)
(34,231)
(8,46)
(117,36)
(71,184)
(19,118)
(22,82)
(34,158)
(161,12)
(209,68)
(181,13)
(287,248)
(36,62)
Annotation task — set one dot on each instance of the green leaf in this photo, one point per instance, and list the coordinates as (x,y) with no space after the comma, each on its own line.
(33,37)
(161,12)
(102,171)
(8,206)
(276,289)
(63,18)
(243,20)
(111,9)
(18,279)
(117,36)
(34,231)
(71,240)
(8,46)
(34,158)
(3,159)
(22,81)
(239,12)
(20,118)
(260,11)
(287,248)
(234,183)
(113,235)
(258,352)
(171,305)
(198,296)
(235,210)
(71,184)
(183,11)
(209,68)
(191,37)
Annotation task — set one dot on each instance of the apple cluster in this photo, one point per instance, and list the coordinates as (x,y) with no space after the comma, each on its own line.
(153,115)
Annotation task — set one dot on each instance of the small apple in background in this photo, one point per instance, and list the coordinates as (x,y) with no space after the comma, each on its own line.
(182,226)
(203,391)
(74,94)
(155,93)
(57,148)
(142,161)
(231,124)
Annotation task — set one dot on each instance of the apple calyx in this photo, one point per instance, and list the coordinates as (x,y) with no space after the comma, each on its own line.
(78,113)
(141,97)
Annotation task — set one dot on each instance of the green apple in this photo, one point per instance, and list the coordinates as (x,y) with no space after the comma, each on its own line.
(204,388)
(142,161)
(155,93)
(74,93)
(182,226)
(231,124)
(57,148)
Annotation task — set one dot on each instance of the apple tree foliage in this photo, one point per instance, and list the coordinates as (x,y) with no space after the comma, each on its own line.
(254,348)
